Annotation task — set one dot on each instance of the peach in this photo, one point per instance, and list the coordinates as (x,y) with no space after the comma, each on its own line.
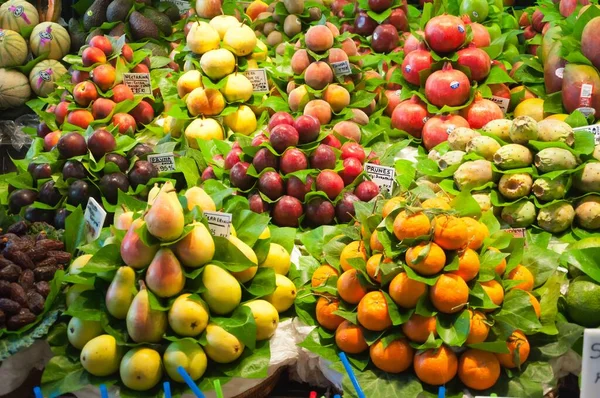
(143,113)
(51,139)
(360,117)
(127,53)
(104,76)
(334,29)
(370,74)
(337,96)
(300,61)
(77,76)
(124,122)
(319,38)
(298,98)
(369,109)
(348,130)
(93,55)
(140,68)
(319,109)
(208,102)
(102,108)
(318,75)
(393,99)
(84,93)
(337,55)
(349,47)
(290,86)
(256,8)
(80,117)
(61,111)
(122,92)
(103,43)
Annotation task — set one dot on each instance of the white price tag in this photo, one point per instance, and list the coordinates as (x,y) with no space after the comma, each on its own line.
(94,220)
(139,83)
(258,78)
(516,232)
(219,223)
(383,176)
(590,367)
(341,68)
(163,162)
(594,129)
(182,5)
(501,102)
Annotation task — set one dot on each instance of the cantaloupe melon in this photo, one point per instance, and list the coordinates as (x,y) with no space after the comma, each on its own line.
(50,37)
(14,89)
(20,16)
(13,48)
(43,76)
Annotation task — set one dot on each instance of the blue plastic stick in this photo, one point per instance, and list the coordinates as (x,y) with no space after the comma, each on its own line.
(103,391)
(337,396)
(348,368)
(38,392)
(190,382)
(167,388)
(442,392)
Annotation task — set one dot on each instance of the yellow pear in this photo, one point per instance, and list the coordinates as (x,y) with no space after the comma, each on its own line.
(188,81)
(203,129)
(79,263)
(202,38)
(266,318)
(217,64)
(80,331)
(120,292)
(188,355)
(164,220)
(141,369)
(284,295)
(205,101)
(223,292)
(188,317)
(237,88)
(196,196)
(123,219)
(173,126)
(164,275)
(277,258)
(242,121)
(154,191)
(101,355)
(222,346)
(222,23)
(247,274)
(265,234)
(232,230)
(262,53)
(240,39)
(144,324)
(196,248)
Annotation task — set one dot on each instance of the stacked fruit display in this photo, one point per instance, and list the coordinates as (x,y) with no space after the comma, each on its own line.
(191,285)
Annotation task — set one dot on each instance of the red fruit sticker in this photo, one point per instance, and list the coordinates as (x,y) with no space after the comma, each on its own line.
(585,95)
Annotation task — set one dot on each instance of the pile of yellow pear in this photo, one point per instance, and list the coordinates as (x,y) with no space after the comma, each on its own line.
(161,270)
(220,44)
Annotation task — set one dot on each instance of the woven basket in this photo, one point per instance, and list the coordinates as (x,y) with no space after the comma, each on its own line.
(263,389)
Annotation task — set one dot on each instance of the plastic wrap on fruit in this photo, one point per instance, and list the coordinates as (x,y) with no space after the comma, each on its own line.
(556,217)
(523,129)
(553,159)
(483,146)
(473,174)
(499,128)
(587,212)
(513,156)
(450,159)
(515,186)
(483,200)
(588,179)
(548,189)
(519,215)
(460,137)
(552,130)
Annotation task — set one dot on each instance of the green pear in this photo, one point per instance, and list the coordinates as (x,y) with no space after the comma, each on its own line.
(222,346)
(266,318)
(284,295)
(141,369)
(101,355)
(74,291)
(144,324)
(134,252)
(188,317)
(79,331)
(188,355)
(120,293)
(223,292)
(197,248)
(164,275)
(165,217)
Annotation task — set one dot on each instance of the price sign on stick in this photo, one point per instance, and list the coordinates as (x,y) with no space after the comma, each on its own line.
(219,223)
(383,176)
(139,83)
(94,220)
(258,78)
(590,368)
(163,162)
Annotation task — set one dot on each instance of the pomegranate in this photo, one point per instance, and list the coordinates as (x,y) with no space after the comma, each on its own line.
(436,130)
(414,63)
(481,36)
(447,87)
(500,90)
(477,60)
(480,112)
(445,33)
(393,100)
(412,43)
(410,116)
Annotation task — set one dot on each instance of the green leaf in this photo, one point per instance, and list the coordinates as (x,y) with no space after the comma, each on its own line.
(545,347)
(253,364)
(586,260)
(518,311)
(313,343)
(108,258)
(249,225)
(241,324)
(541,261)
(74,230)
(284,237)
(263,282)
(454,329)
(88,306)
(230,256)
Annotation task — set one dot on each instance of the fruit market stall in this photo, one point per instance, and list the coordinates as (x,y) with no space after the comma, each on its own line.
(373,197)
